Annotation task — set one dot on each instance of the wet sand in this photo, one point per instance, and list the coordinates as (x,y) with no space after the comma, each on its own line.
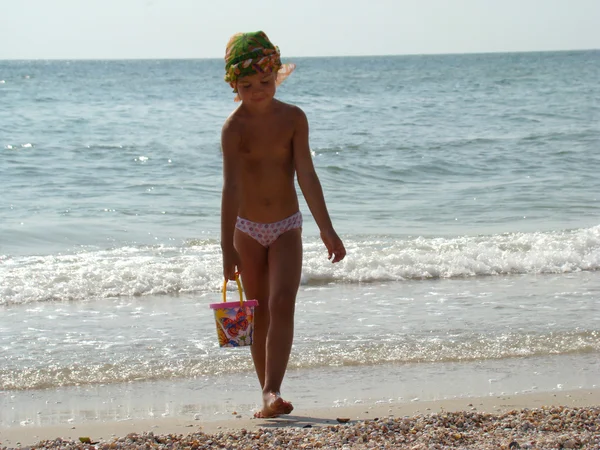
(537,420)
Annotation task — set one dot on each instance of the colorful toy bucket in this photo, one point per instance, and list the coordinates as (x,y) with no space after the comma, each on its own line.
(234,320)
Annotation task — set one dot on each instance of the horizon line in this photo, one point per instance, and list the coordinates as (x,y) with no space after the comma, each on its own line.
(380,55)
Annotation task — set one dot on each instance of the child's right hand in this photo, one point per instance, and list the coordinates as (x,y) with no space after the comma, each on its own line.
(231,262)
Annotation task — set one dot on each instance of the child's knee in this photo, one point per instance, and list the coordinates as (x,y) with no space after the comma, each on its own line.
(282,302)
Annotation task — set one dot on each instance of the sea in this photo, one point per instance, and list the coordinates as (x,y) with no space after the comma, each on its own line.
(466,189)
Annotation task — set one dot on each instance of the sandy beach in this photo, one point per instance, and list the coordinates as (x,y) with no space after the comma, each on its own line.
(569,419)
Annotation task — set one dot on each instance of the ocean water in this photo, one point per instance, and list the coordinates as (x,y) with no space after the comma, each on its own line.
(465,187)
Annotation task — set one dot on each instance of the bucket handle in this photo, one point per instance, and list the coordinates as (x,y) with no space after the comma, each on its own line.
(239,286)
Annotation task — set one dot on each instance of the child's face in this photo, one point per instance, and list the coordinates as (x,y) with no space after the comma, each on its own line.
(257,88)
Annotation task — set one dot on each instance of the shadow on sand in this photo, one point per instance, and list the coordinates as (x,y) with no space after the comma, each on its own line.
(299,422)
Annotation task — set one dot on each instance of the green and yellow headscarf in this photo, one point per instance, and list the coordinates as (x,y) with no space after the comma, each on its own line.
(250,53)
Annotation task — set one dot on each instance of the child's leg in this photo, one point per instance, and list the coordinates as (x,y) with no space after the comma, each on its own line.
(256,286)
(285,269)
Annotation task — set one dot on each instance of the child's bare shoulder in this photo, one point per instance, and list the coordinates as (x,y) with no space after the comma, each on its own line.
(231,134)
(232,123)
(292,111)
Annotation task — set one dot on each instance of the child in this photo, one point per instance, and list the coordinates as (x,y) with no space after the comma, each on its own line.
(265,143)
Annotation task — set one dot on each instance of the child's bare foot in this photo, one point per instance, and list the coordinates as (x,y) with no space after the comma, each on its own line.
(273,406)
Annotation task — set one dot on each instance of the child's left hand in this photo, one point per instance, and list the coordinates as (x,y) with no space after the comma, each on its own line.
(334,245)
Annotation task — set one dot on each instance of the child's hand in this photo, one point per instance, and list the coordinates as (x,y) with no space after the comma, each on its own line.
(334,245)
(231,261)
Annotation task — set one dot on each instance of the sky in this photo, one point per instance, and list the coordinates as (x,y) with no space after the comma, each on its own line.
(123,29)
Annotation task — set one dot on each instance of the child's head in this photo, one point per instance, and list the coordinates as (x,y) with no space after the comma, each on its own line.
(252,57)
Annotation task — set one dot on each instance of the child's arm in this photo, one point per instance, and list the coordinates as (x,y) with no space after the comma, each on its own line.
(312,190)
(230,141)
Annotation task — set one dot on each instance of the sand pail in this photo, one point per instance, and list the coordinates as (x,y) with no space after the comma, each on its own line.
(234,320)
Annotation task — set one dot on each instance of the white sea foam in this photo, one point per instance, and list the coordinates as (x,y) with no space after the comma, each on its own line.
(133,271)
(384,259)
(391,349)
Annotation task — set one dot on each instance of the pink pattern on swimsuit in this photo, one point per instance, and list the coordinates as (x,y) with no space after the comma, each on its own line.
(267,233)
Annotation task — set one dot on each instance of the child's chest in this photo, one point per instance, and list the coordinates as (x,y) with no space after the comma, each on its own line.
(272,139)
